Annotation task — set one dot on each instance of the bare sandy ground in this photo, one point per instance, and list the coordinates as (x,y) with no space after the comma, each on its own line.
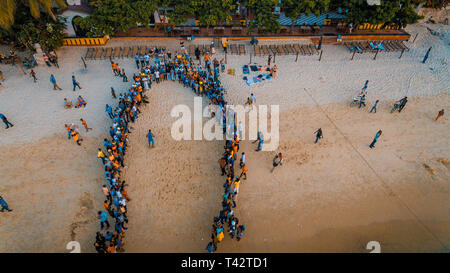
(336,195)
(333,196)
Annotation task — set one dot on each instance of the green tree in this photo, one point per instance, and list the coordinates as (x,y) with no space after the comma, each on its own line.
(111,16)
(209,12)
(294,8)
(263,17)
(399,12)
(8,9)
(26,31)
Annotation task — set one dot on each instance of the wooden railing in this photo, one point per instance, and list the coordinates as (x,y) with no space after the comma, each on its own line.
(86,41)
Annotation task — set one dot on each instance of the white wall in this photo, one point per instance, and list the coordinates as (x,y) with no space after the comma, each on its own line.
(69,15)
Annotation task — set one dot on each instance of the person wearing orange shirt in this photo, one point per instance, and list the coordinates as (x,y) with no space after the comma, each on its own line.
(244,172)
(85,125)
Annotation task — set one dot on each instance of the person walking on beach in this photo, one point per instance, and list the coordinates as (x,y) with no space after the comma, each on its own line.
(4,205)
(269,59)
(426,55)
(85,125)
(242,160)
(53,81)
(260,141)
(277,160)
(374,107)
(244,172)
(136,59)
(33,75)
(362,101)
(150,139)
(319,134)
(402,104)
(375,139)
(5,121)
(440,114)
(76,136)
(75,83)
(363,90)
(113,93)
(103,216)
(222,164)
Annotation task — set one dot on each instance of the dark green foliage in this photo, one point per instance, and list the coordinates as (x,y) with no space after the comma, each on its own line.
(111,16)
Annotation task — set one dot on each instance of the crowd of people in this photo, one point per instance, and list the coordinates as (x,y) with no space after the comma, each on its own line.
(116,196)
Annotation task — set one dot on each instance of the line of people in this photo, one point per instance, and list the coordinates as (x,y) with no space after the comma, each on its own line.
(116,196)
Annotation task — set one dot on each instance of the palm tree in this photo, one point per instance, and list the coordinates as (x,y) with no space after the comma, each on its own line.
(8,9)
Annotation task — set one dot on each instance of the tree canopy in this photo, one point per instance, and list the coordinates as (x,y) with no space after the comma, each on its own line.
(8,9)
(111,16)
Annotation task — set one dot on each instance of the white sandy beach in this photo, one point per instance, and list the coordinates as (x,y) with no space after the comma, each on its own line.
(335,196)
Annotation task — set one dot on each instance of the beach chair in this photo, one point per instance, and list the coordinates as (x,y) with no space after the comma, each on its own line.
(142,50)
(241,49)
(281,50)
(387,45)
(108,52)
(234,49)
(98,53)
(135,50)
(356,47)
(273,49)
(265,50)
(402,45)
(191,49)
(290,48)
(117,51)
(89,53)
(348,46)
(257,50)
(297,49)
(313,49)
(306,49)
(126,52)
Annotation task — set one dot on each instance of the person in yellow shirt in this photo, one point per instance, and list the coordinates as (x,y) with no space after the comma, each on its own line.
(236,185)
(101,155)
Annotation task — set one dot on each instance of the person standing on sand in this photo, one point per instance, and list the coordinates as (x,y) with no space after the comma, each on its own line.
(318,134)
(150,139)
(4,205)
(222,164)
(362,101)
(374,107)
(85,125)
(103,216)
(5,121)
(375,139)
(440,114)
(269,59)
(33,75)
(426,55)
(75,83)
(244,172)
(277,160)
(101,155)
(242,160)
(363,90)
(53,81)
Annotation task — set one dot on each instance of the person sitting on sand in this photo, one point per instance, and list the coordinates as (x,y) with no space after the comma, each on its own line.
(67,104)
(81,102)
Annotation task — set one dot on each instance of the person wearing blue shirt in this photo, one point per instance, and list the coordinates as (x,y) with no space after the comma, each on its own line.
(103,216)
(5,121)
(75,83)
(150,137)
(4,205)
(375,139)
(53,81)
